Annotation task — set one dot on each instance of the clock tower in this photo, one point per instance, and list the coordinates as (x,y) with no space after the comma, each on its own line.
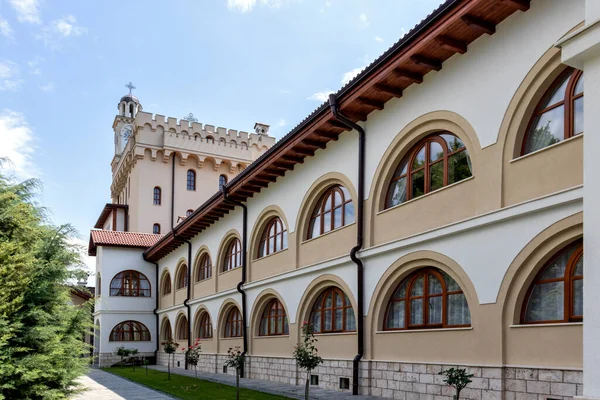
(128,107)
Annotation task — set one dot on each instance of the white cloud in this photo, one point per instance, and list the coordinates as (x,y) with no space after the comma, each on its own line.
(5,29)
(58,30)
(348,76)
(27,10)
(378,39)
(364,21)
(34,68)
(247,5)
(10,76)
(16,143)
(320,96)
(89,262)
(282,122)
(48,87)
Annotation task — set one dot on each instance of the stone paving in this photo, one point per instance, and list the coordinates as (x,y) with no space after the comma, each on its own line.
(281,389)
(101,385)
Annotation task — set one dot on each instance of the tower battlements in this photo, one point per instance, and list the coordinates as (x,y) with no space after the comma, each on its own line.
(205,132)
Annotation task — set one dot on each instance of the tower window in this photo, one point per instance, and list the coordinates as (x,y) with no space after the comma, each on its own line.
(156,229)
(131,110)
(222,181)
(191,180)
(157,196)
(189,212)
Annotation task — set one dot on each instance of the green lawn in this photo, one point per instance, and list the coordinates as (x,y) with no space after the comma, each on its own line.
(185,388)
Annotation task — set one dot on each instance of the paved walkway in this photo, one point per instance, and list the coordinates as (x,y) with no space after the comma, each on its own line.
(101,385)
(281,389)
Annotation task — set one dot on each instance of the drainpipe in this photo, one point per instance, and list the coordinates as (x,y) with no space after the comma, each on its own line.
(172,191)
(359,237)
(155,311)
(240,285)
(189,293)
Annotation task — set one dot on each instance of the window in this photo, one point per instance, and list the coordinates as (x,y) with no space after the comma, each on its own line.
(204,327)
(334,210)
(204,268)
(129,331)
(437,161)
(274,238)
(130,283)
(233,257)
(166,332)
(166,284)
(210,139)
(99,285)
(157,196)
(156,229)
(428,298)
(273,321)
(556,294)
(191,180)
(222,181)
(182,277)
(559,115)
(189,212)
(183,328)
(233,324)
(332,312)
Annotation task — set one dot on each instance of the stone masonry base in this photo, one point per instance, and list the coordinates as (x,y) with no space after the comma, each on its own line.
(108,359)
(407,381)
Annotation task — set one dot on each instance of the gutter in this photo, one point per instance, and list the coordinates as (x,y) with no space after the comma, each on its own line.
(172,192)
(359,238)
(240,285)
(155,311)
(189,293)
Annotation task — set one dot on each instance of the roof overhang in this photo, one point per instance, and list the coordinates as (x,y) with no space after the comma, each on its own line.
(99,237)
(108,208)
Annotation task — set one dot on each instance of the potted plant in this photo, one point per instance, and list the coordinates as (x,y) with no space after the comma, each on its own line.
(235,359)
(306,355)
(192,356)
(457,378)
(170,347)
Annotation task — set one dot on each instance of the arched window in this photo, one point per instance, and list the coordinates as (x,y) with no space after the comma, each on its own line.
(222,141)
(273,321)
(427,298)
(157,196)
(233,143)
(437,161)
(559,115)
(233,256)
(131,110)
(130,283)
(166,284)
(332,312)
(222,181)
(556,294)
(334,210)
(189,212)
(204,268)
(191,180)
(156,229)
(129,331)
(166,331)
(183,328)
(204,329)
(210,139)
(233,323)
(182,277)
(274,238)
(99,285)
(244,145)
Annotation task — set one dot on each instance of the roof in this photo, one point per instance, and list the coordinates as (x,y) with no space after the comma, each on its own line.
(85,292)
(447,31)
(130,97)
(106,212)
(120,239)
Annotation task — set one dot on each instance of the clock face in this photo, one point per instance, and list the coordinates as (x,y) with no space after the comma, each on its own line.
(126,133)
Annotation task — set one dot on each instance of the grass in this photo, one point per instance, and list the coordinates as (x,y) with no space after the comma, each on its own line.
(184,387)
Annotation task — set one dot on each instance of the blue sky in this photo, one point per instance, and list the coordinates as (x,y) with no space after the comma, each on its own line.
(64,64)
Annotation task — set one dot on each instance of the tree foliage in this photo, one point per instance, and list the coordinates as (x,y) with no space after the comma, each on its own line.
(41,332)
(306,354)
(457,378)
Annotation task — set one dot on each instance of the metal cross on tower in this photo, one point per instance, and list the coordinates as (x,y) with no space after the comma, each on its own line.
(190,117)
(130,87)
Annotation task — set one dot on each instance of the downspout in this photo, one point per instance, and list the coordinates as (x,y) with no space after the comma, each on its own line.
(155,311)
(189,293)
(359,238)
(173,192)
(240,285)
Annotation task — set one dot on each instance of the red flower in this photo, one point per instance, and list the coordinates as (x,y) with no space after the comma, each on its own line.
(183,348)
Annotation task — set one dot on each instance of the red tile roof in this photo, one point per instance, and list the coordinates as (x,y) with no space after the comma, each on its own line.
(120,239)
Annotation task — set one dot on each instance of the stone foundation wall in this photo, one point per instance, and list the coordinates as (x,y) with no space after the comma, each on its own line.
(109,359)
(408,381)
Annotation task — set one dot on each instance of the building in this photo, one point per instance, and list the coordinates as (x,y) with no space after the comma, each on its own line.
(423,217)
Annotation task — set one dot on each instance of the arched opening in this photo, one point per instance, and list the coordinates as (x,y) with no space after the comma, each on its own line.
(274,238)
(332,312)
(203,268)
(204,328)
(191,180)
(233,255)
(165,331)
(181,278)
(334,210)
(129,331)
(233,323)
(222,181)
(182,328)
(130,283)
(156,229)
(157,196)
(166,286)
(273,320)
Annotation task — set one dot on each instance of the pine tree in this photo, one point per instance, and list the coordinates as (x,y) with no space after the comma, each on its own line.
(41,346)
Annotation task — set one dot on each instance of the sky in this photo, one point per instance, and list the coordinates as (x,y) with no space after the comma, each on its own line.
(64,65)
